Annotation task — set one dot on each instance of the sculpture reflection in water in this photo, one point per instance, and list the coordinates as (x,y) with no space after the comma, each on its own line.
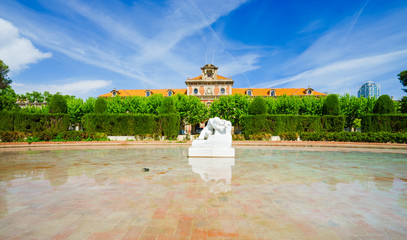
(216,172)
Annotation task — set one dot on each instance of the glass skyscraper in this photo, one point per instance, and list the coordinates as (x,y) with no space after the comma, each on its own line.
(369,89)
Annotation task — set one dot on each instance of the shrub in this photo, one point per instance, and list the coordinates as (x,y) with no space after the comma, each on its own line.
(403,105)
(258,106)
(384,105)
(276,124)
(101,105)
(169,125)
(331,105)
(380,137)
(37,122)
(7,121)
(167,106)
(384,123)
(13,136)
(133,124)
(289,136)
(58,104)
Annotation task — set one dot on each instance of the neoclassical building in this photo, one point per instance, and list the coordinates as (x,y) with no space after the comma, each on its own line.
(209,85)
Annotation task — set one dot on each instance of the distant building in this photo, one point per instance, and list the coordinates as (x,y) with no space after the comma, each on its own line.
(369,89)
(209,86)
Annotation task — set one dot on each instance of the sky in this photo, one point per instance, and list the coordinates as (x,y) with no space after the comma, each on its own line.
(87,48)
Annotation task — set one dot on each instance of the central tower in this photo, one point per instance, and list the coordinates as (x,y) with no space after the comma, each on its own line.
(209,85)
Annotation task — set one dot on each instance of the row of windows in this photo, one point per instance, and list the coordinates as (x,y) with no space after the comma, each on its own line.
(222,91)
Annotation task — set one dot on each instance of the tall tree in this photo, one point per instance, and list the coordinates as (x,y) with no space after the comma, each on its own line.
(4,80)
(403,79)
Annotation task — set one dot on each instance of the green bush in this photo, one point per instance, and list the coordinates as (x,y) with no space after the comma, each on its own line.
(276,124)
(167,106)
(289,136)
(133,124)
(14,136)
(379,137)
(101,105)
(7,121)
(384,105)
(169,124)
(37,122)
(258,106)
(384,123)
(58,104)
(331,105)
(403,105)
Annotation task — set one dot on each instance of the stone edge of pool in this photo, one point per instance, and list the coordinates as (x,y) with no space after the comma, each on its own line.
(8,145)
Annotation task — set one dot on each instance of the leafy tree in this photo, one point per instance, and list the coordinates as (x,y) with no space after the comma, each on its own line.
(403,105)
(311,105)
(191,109)
(114,105)
(58,104)
(331,105)
(258,106)
(135,104)
(288,105)
(8,99)
(167,106)
(403,79)
(100,105)
(384,105)
(153,103)
(4,80)
(230,107)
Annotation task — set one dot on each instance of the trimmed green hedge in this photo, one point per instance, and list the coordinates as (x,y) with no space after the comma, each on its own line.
(33,122)
(7,121)
(379,137)
(132,124)
(384,123)
(276,124)
(15,136)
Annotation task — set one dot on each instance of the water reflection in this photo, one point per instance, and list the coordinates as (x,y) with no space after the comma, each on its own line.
(216,172)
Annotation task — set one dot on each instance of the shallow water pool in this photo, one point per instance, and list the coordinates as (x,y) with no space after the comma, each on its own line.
(156,192)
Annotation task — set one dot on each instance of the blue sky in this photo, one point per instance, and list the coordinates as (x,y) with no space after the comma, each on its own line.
(87,48)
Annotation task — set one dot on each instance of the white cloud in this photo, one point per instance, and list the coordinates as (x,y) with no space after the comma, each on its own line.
(133,42)
(17,52)
(74,87)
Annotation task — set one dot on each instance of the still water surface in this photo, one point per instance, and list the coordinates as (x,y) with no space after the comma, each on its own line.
(261,194)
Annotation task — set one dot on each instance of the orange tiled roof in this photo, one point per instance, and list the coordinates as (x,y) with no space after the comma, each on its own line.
(142,92)
(200,77)
(279,91)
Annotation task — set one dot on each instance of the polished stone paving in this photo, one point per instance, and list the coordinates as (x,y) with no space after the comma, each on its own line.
(264,193)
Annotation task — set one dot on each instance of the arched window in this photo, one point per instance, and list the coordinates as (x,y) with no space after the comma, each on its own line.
(169,93)
(195,90)
(249,92)
(148,93)
(222,91)
(114,94)
(272,93)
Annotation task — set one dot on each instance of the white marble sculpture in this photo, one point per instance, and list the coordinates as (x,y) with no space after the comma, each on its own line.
(215,140)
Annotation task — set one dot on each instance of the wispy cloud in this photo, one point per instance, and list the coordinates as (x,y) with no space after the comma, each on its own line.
(73,87)
(373,50)
(154,53)
(17,52)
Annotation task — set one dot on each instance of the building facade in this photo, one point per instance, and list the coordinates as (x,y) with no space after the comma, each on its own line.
(209,86)
(369,89)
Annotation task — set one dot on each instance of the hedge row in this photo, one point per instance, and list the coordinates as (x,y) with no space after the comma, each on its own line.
(15,136)
(132,124)
(379,137)
(384,123)
(276,124)
(33,122)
